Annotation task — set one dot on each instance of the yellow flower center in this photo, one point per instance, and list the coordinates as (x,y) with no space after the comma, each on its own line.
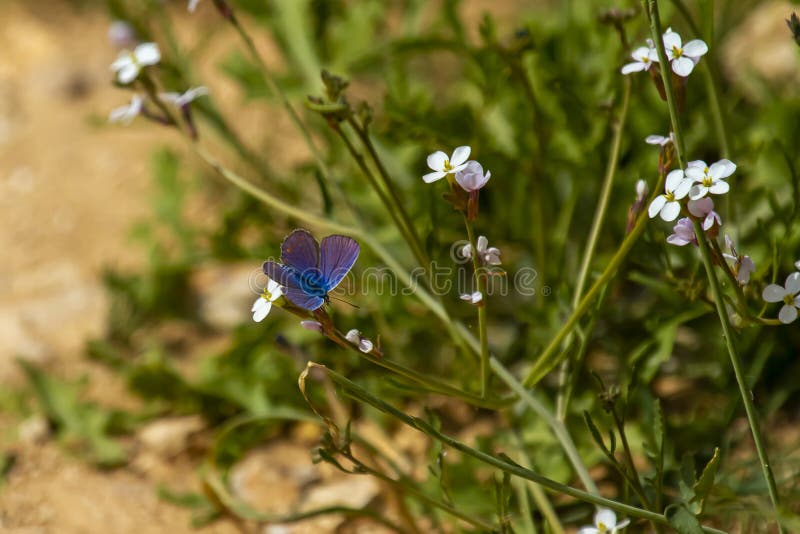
(669,196)
(134,59)
(602,527)
(677,52)
(708,181)
(789,299)
(447,166)
(266,295)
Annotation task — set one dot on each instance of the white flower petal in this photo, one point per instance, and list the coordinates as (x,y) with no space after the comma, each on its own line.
(654,139)
(353,336)
(719,187)
(605,516)
(695,48)
(128,73)
(797,265)
(683,188)
(482,243)
(721,169)
(696,173)
(674,178)
(588,530)
(697,192)
(123,59)
(793,284)
(460,156)
(787,314)
(433,176)
(436,160)
(656,205)
(629,68)
(682,66)
(261,309)
(365,345)
(670,211)
(624,523)
(147,54)
(773,293)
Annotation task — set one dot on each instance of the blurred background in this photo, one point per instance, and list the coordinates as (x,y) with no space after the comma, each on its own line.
(124,282)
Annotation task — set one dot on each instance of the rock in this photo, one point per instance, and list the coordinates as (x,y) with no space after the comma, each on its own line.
(33,430)
(170,436)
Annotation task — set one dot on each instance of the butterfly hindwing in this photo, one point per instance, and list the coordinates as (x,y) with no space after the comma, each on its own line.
(337,255)
(293,288)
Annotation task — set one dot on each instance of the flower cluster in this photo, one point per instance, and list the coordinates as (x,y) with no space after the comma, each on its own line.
(789,294)
(682,57)
(605,522)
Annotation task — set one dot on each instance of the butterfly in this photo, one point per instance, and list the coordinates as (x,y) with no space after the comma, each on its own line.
(308,270)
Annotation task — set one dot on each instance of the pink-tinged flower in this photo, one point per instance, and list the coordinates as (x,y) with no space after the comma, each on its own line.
(472,298)
(471,177)
(643,59)
(192,5)
(605,522)
(709,179)
(742,266)
(314,326)
(486,255)
(703,208)
(121,34)
(185,98)
(660,140)
(683,233)
(126,114)
(441,165)
(667,205)
(683,58)
(128,64)
(788,294)
(363,344)
(263,304)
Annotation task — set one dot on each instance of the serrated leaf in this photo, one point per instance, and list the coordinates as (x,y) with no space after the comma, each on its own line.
(682,520)
(705,483)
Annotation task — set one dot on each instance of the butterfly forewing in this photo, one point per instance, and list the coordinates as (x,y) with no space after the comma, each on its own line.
(337,255)
(293,287)
(300,251)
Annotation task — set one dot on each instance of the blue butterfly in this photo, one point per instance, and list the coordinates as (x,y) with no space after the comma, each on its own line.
(308,270)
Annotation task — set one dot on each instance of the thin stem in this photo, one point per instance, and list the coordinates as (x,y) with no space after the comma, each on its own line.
(399,205)
(360,394)
(705,253)
(538,495)
(594,234)
(634,478)
(546,361)
(557,426)
(480,278)
(404,230)
(744,390)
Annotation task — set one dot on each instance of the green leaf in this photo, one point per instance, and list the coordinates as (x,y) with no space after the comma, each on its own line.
(705,483)
(682,520)
(595,433)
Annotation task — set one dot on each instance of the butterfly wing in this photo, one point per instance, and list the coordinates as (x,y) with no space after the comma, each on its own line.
(292,288)
(300,251)
(337,255)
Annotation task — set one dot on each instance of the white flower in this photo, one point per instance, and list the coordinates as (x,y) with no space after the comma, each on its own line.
(442,166)
(182,99)
(709,179)
(797,265)
(667,205)
(643,58)
(660,140)
(125,114)
(472,298)
(743,266)
(788,294)
(486,255)
(683,58)
(314,326)
(263,304)
(121,34)
(128,64)
(703,208)
(605,522)
(641,190)
(355,337)
(471,177)
(192,5)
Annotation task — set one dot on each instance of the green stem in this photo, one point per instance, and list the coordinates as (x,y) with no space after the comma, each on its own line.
(399,205)
(594,235)
(360,394)
(480,278)
(404,230)
(538,495)
(548,359)
(705,253)
(557,426)
(744,390)
(634,478)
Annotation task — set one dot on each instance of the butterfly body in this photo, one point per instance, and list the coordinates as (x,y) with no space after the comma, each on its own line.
(309,270)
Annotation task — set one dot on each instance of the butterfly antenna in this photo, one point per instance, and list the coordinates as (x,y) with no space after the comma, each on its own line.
(346,302)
